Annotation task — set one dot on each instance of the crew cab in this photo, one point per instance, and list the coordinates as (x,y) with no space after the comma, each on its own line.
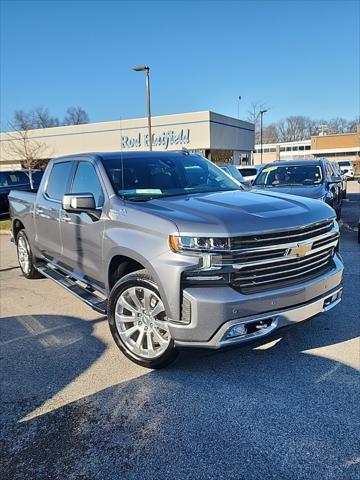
(175,252)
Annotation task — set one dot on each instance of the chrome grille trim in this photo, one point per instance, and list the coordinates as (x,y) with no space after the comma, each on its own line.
(296,235)
(266,265)
(300,263)
(288,268)
(262,282)
(282,258)
(283,246)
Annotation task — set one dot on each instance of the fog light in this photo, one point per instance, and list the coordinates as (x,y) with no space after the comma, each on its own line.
(236,331)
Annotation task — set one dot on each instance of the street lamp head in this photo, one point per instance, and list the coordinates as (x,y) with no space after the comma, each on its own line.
(143,68)
(263,111)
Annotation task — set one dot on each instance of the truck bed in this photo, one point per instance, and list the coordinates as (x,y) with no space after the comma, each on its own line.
(22,207)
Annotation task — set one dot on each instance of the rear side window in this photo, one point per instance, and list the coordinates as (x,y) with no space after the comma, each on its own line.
(4,180)
(58,180)
(86,180)
(248,172)
(37,176)
(9,179)
(18,178)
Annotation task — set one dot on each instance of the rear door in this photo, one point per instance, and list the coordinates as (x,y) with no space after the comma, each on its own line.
(81,233)
(48,208)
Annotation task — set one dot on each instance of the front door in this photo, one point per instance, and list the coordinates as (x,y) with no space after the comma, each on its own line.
(48,208)
(81,233)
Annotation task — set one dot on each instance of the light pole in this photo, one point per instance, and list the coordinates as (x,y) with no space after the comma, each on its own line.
(261,136)
(146,69)
(239,98)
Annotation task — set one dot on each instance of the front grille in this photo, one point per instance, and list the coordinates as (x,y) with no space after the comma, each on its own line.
(269,262)
(289,236)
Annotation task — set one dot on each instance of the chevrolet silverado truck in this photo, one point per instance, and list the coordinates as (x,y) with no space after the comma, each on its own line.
(175,252)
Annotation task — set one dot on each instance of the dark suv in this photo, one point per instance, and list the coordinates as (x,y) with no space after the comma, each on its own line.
(16,180)
(307,178)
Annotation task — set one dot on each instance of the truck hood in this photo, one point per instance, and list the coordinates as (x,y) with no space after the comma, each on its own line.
(310,191)
(238,213)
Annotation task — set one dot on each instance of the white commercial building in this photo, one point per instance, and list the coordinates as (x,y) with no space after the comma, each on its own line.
(215,136)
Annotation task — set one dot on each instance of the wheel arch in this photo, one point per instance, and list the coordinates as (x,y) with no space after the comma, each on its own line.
(132,262)
(17,225)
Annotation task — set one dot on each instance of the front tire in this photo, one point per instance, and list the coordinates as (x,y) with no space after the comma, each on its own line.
(138,321)
(25,256)
(338,213)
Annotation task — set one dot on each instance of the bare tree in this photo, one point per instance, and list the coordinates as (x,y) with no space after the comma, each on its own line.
(22,120)
(21,146)
(43,119)
(270,133)
(76,116)
(354,125)
(294,128)
(254,117)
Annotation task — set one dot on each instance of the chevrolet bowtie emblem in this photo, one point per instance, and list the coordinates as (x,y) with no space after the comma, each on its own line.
(301,250)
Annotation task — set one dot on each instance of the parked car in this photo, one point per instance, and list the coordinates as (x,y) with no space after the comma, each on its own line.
(15,180)
(175,252)
(347,168)
(249,173)
(234,172)
(339,173)
(359,223)
(306,178)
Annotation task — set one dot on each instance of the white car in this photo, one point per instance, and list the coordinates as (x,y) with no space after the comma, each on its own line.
(347,168)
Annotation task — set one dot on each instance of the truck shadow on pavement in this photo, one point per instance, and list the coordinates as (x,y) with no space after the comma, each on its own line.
(270,411)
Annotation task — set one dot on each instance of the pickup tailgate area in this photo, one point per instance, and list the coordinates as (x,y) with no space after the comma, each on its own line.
(22,209)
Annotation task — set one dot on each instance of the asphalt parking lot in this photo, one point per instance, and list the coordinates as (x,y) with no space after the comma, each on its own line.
(74,408)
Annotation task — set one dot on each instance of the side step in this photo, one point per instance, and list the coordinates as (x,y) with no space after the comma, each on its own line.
(77,288)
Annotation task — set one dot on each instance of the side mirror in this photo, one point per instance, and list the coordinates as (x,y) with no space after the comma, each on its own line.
(345,170)
(247,185)
(78,202)
(334,179)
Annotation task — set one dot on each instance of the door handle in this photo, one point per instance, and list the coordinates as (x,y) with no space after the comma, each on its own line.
(65,218)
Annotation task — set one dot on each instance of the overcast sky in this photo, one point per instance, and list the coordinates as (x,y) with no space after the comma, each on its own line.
(298,57)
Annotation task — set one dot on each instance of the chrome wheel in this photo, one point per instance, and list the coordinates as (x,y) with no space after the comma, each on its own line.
(23,254)
(141,322)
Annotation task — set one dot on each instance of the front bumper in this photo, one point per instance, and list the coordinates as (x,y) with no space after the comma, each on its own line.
(214,311)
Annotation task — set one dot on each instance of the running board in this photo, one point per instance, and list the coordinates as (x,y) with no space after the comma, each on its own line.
(85,293)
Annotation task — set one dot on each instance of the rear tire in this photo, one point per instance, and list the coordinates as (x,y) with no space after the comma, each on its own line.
(25,256)
(138,322)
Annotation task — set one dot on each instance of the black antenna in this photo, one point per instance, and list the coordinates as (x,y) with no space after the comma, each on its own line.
(121,158)
(185,151)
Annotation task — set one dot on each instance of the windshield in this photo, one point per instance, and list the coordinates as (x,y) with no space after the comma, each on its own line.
(143,178)
(288,175)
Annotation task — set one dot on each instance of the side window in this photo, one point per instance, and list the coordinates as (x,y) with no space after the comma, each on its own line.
(86,180)
(4,180)
(58,180)
(18,178)
(329,170)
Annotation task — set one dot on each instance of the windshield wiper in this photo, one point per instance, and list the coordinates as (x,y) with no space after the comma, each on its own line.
(142,198)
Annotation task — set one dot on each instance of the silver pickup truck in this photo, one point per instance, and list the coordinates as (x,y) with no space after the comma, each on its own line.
(175,251)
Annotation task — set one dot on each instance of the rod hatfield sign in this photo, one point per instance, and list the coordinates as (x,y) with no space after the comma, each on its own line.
(165,139)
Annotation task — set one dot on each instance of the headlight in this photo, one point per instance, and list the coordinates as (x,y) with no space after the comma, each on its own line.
(198,245)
